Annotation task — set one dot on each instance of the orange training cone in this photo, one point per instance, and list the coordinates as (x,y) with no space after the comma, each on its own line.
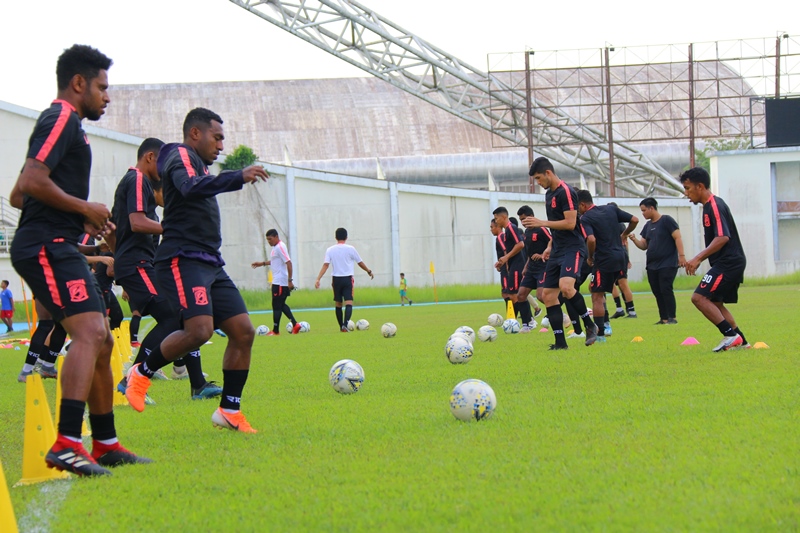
(7,520)
(39,435)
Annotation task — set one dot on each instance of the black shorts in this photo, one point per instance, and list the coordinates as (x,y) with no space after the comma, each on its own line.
(196,289)
(61,280)
(142,289)
(510,280)
(564,266)
(342,288)
(604,281)
(532,276)
(719,286)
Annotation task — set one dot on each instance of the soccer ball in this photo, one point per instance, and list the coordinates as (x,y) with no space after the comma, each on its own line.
(469,331)
(472,399)
(262,330)
(305,327)
(388,330)
(487,334)
(545,322)
(495,319)
(351,326)
(511,326)
(346,376)
(289,327)
(362,325)
(458,350)
(460,335)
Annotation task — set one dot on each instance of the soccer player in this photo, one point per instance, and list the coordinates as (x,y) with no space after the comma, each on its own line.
(46,343)
(404,291)
(53,189)
(189,266)
(104,274)
(343,257)
(511,265)
(7,306)
(564,254)
(282,285)
(138,228)
(535,244)
(725,254)
(606,255)
(661,239)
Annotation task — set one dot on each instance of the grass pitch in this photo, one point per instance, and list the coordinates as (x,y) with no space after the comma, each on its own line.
(620,436)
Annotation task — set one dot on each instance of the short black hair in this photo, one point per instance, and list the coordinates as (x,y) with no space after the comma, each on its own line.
(514,221)
(525,210)
(493,222)
(402,274)
(696,175)
(649,202)
(341,234)
(585,196)
(80,59)
(540,166)
(500,211)
(151,144)
(199,117)
(6,282)
(272,232)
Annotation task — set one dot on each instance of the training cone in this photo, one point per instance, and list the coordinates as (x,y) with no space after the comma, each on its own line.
(510,313)
(39,435)
(690,341)
(7,520)
(759,345)
(118,373)
(543,330)
(637,339)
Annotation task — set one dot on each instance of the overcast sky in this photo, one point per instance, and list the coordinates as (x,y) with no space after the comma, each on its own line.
(154,41)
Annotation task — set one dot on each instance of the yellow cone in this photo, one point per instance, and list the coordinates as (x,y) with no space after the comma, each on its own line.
(510,312)
(39,435)
(759,345)
(7,520)
(637,339)
(117,372)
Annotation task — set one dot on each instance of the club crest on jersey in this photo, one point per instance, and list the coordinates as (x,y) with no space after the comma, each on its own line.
(77,290)
(707,221)
(535,237)
(553,203)
(200,295)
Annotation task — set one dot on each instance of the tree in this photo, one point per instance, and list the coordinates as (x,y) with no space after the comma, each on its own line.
(241,157)
(701,158)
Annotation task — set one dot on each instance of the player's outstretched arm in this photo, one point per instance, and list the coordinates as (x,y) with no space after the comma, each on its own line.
(366,269)
(254,173)
(321,273)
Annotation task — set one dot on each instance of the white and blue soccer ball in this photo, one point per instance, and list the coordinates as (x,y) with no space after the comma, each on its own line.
(362,325)
(346,376)
(351,326)
(458,350)
(511,326)
(495,320)
(388,330)
(460,335)
(305,327)
(487,334)
(545,322)
(289,327)
(262,330)
(472,399)
(468,331)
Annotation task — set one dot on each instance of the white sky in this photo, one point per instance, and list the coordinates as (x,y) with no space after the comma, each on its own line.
(154,41)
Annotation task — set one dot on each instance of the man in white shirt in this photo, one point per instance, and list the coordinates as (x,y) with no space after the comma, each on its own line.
(343,257)
(282,285)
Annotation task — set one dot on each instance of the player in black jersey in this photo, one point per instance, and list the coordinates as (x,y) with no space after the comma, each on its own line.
(189,265)
(536,241)
(52,190)
(511,265)
(606,255)
(725,254)
(565,254)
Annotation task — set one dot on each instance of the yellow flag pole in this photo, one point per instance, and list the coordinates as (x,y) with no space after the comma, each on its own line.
(433,275)
(27,311)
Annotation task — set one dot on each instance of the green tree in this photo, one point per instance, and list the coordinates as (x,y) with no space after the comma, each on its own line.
(701,157)
(241,157)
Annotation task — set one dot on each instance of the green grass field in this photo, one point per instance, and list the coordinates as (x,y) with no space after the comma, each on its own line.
(621,436)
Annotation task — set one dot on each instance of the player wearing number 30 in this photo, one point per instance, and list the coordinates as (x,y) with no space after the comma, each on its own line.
(725,254)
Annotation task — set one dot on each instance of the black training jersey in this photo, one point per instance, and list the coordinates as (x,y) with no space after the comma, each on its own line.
(191,213)
(662,252)
(536,241)
(507,239)
(498,248)
(134,195)
(58,141)
(603,221)
(717,222)
(558,202)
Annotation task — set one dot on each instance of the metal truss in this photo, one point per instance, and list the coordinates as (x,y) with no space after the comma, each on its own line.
(356,34)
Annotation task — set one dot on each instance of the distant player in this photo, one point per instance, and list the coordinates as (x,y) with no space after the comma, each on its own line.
(343,257)
(189,266)
(52,190)
(565,253)
(7,306)
(536,241)
(404,290)
(661,239)
(282,284)
(606,255)
(621,287)
(725,254)
(511,265)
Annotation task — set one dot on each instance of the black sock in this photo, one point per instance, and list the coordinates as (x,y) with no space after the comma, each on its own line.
(70,420)
(57,338)
(348,312)
(601,326)
(34,351)
(629,307)
(618,301)
(524,310)
(574,318)
(195,369)
(232,387)
(725,328)
(339,316)
(103,426)
(580,307)
(153,362)
(605,308)
(288,312)
(49,357)
(556,317)
(276,319)
(135,319)
(179,362)
(737,330)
